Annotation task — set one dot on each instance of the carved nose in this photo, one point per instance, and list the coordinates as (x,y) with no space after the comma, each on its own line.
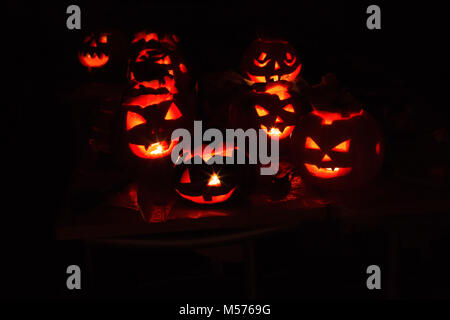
(277,66)
(326,158)
(278,120)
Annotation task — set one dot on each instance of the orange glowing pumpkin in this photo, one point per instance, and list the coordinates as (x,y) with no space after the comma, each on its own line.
(336,150)
(95,52)
(270,60)
(208,183)
(159,99)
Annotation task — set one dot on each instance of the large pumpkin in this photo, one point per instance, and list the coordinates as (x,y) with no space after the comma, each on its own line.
(335,150)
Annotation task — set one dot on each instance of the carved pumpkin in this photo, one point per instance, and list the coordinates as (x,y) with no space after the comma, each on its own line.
(276,109)
(155,56)
(158,101)
(95,51)
(270,60)
(336,150)
(208,183)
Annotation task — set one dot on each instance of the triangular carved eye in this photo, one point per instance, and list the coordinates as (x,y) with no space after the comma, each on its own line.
(261,111)
(311,144)
(289,108)
(343,146)
(185,178)
(134,119)
(173,113)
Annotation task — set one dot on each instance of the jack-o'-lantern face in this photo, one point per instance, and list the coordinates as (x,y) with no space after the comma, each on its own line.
(158,101)
(337,151)
(95,52)
(149,129)
(270,60)
(275,110)
(207,183)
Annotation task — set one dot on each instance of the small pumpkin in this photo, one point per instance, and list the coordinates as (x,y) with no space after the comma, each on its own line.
(95,51)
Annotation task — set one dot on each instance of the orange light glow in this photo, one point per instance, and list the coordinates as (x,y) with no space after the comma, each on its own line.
(290,61)
(185,178)
(94,60)
(214,181)
(144,54)
(214,199)
(311,144)
(261,64)
(277,66)
(183,68)
(173,113)
(293,75)
(256,78)
(275,132)
(326,158)
(280,90)
(169,84)
(261,111)
(329,117)
(145,100)
(289,108)
(342,147)
(153,151)
(134,119)
(278,120)
(326,173)
(103,38)
(262,56)
(144,36)
(165,60)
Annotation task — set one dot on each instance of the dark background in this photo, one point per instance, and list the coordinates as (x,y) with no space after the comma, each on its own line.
(398,71)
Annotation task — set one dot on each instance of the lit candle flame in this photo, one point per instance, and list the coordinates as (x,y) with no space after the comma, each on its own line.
(214,181)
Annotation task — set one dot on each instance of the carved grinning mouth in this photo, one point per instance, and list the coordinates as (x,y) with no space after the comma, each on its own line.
(276,77)
(208,200)
(326,172)
(153,151)
(93,60)
(275,132)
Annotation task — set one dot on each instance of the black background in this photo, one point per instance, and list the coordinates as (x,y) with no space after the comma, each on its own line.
(408,55)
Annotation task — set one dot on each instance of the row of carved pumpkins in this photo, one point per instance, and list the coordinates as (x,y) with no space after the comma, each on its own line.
(333,147)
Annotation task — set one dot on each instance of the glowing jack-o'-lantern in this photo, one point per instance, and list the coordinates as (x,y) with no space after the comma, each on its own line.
(158,100)
(208,183)
(149,126)
(270,60)
(275,109)
(337,150)
(95,52)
